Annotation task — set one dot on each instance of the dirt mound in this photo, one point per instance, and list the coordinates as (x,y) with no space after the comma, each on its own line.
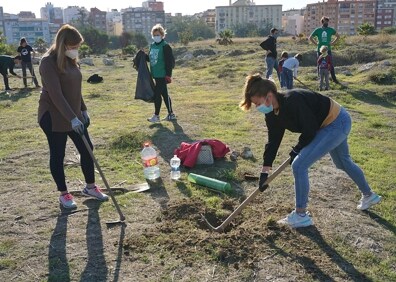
(182,231)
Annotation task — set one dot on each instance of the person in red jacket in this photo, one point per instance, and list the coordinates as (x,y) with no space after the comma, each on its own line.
(324,66)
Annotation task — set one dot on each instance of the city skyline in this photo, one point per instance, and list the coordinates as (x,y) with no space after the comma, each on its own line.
(170,6)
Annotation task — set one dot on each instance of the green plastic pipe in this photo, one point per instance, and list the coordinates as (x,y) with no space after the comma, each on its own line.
(210,182)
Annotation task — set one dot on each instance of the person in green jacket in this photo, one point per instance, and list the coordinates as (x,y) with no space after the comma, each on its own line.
(323,37)
(161,65)
(8,63)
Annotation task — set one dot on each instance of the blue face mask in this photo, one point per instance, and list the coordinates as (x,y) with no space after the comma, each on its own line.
(265,109)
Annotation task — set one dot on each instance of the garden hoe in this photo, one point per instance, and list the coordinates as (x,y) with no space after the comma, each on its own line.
(303,84)
(111,194)
(222,226)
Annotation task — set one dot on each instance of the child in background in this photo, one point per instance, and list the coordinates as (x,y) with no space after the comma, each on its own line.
(290,68)
(284,57)
(324,66)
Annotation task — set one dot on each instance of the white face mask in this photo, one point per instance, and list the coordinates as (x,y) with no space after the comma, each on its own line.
(157,38)
(72,54)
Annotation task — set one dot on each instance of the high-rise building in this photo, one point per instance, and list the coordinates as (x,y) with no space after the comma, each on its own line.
(345,16)
(52,14)
(31,29)
(246,11)
(2,22)
(142,19)
(386,13)
(114,22)
(75,14)
(97,19)
(293,21)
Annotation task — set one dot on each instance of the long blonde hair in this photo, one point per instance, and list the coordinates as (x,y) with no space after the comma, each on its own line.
(256,85)
(67,36)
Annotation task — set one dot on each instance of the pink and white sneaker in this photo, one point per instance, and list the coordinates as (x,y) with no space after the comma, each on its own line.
(67,201)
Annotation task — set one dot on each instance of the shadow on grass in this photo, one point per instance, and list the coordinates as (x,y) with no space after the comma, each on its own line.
(96,268)
(119,254)
(371,97)
(314,235)
(14,96)
(58,266)
(381,221)
(158,192)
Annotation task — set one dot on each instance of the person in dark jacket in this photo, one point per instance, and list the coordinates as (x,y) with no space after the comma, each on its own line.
(7,63)
(271,55)
(25,51)
(324,126)
(161,65)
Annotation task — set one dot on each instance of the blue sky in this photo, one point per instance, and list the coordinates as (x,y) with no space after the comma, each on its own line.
(172,6)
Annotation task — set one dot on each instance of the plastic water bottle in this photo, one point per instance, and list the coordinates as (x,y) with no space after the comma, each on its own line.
(150,162)
(175,168)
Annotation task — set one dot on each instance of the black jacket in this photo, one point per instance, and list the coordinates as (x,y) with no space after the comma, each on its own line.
(270,45)
(300,111)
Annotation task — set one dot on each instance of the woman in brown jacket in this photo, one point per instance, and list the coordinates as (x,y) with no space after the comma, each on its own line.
(62,112)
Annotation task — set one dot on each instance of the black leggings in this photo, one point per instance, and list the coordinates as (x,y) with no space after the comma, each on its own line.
(161,90)
(57,145)
(5,78)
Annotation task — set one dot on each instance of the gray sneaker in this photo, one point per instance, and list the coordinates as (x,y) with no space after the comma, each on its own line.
(367,201)
(170,117)
(95,193)
(154,118)
(67,201)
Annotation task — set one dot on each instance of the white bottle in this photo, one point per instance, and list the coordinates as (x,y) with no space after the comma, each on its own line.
(175,168)
(150,162)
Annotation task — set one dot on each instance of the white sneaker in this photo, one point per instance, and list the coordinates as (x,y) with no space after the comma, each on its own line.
(367,201)
(95,193)
(154,118)
(295,220)
(67,201)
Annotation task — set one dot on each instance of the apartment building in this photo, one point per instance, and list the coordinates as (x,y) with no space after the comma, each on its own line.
(293,21)
(97,19)
(31,29)
(52,14)
(2,22)
(114,22)
(142,19)
(246,11)
(345,15)
(386,14)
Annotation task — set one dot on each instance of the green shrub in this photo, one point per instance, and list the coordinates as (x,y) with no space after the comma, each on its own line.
(381,77)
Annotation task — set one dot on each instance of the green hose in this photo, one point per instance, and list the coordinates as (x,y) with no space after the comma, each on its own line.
(210,182)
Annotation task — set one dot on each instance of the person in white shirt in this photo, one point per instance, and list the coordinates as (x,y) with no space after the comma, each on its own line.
(290,68)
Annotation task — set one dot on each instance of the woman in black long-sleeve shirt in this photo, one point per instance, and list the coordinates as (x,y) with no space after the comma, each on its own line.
(324,126)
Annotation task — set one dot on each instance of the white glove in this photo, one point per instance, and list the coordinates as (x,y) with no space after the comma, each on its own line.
(77,126)
(86,119)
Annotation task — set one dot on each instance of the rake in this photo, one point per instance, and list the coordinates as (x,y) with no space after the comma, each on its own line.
(237,211)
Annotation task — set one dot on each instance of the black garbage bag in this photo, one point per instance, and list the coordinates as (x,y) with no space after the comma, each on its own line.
(95,78)
(144,84)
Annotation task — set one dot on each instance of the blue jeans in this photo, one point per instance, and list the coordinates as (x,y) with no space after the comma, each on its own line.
(271,64)
(288,78)
(330,139)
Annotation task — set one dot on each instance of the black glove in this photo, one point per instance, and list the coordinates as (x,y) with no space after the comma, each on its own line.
(263,178)
(293,154)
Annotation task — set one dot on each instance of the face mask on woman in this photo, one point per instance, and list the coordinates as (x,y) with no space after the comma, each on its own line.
(157,38)
(265,109)
(72,54)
